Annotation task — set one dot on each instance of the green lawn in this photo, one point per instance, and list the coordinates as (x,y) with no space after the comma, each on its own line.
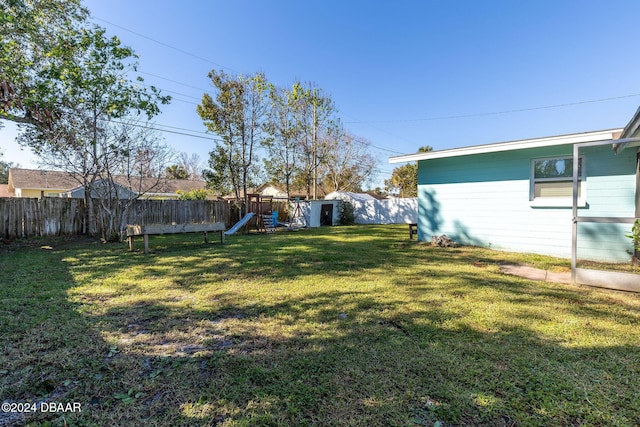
(334,326)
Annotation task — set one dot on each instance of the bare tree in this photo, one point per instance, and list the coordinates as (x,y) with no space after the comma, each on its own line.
(315,114)
(349,166)
(192,164)
(129,161)
(135,159)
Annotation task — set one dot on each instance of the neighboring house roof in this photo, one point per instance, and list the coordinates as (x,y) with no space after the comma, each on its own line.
(4,191)
(151,186)
(602,135)
(270,190)
(35,179)
(103,188)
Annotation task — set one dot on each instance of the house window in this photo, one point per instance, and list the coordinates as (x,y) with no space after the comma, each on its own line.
(552,181)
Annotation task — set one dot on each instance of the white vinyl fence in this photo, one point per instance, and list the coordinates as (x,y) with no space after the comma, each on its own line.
(389,211)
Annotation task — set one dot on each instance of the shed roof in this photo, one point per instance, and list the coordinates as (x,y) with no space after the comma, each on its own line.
(602,135)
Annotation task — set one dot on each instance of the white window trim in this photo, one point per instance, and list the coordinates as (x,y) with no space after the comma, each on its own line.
(557,202)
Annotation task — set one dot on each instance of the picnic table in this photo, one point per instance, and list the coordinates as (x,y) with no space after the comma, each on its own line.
(157,229)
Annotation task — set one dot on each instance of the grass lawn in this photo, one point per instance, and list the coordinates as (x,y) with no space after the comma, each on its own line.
(333,326)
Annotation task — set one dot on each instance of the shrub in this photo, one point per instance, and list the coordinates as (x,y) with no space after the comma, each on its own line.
(194,194)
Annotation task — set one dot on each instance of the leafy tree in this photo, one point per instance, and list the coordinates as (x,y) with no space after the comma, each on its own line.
(349,165)
(177,172)
(284,136)
(346,213)
(37,35)
(4,169)
(217,176)
(404,179)
(238,116)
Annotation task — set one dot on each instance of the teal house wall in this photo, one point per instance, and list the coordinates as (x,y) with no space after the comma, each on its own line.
(484,199)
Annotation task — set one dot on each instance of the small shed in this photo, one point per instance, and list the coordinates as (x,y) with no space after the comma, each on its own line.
(315,213)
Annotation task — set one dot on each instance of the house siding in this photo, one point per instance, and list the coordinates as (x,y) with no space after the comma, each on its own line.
(483,200)
(36,194)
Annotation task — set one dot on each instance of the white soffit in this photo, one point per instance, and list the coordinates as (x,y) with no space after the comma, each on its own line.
(523,144)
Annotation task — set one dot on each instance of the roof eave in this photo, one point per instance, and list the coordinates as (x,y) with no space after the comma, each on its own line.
(630,131)
(511,145)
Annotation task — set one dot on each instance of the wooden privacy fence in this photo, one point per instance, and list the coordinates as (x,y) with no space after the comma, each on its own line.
(22,217)
(144,212)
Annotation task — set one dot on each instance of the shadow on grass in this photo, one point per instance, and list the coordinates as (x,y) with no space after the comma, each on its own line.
(301,329)
(50,351)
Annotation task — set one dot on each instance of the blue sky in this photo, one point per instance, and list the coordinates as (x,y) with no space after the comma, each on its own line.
(402,74)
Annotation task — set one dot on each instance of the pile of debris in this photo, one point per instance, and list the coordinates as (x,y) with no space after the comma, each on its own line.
(443,241)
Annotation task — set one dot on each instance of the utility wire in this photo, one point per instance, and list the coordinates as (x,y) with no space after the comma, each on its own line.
(357,139)
(168,130)
(369,123)
(174,81)
(492,113)
(377,128)
(163,44)
(222,66)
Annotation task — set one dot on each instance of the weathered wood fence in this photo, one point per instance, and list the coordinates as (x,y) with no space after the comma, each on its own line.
(22,217)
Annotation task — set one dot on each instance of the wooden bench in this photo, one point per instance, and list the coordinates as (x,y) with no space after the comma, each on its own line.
(413,230)
(156,229)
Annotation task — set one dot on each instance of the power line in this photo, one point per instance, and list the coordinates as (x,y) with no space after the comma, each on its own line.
(192,133)
(174,92)
(187,130)
(173,98)
(492,113)
(219,65)
(174,81)
(193,97)
(377,128)
(359,140)
(369,123)
(369,144)
(149,127)
(164,44)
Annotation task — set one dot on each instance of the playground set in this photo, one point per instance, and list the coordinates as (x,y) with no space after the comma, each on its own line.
(262,217)
(266,220)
